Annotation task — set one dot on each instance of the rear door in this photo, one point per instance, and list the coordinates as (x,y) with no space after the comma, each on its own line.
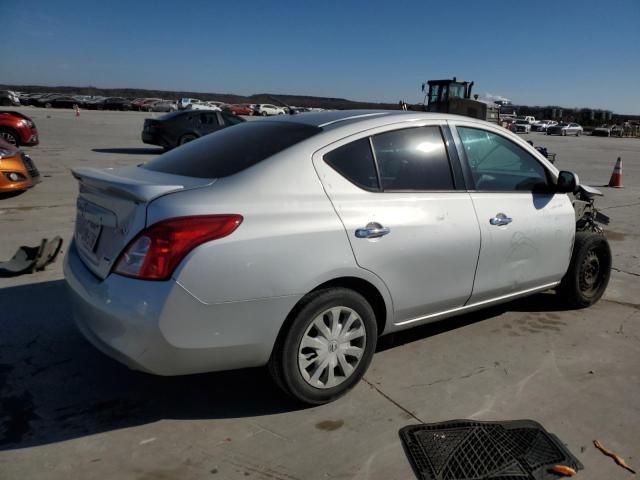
(527,232)
(406,219)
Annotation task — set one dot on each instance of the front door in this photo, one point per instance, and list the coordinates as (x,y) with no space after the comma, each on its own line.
(405,219)
(527,231)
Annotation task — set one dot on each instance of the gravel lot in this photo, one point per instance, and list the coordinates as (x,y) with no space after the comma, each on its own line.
(65,409)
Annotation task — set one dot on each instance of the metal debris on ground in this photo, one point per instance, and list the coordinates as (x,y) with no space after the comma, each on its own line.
(616,458)
(31,259)
(470,450)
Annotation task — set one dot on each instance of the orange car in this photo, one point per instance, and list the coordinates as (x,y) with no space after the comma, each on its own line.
(17,171)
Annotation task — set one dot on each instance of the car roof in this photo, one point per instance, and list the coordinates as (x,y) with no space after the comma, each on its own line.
(338,118)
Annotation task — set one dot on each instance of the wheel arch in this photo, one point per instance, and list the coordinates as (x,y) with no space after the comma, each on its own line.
(15,132)
(368,290)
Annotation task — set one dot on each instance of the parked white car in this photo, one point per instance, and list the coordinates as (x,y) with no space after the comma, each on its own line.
(529,119)
(9,98)
(265,109)
(542,125)
(296,244)
(185,102)
(215,106)
(521,126)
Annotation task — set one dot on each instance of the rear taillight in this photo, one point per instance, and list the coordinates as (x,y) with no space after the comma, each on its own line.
(156,252)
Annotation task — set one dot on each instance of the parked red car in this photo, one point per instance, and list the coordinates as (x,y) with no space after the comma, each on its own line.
(240,109)
(17,129)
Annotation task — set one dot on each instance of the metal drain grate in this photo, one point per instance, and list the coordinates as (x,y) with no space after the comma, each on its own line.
(470,450)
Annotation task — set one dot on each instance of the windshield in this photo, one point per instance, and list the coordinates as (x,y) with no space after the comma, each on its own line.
(232,149)
(456,90)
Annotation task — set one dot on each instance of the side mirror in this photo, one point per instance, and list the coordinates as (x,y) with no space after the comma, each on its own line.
(567,182)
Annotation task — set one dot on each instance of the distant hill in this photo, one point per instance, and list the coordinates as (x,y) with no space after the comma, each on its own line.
(294,100)
(570,114)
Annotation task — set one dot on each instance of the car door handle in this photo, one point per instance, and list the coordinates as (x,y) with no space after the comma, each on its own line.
(500,219)
(372,230)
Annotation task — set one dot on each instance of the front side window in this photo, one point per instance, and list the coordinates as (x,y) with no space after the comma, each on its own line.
(498,164)
(413,159)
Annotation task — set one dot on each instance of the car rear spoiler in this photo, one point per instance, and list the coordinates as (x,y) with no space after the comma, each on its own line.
(134,183)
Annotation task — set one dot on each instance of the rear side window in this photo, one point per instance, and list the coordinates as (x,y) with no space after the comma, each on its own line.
(232,149)
(354,161)
(413,159)
(209,119)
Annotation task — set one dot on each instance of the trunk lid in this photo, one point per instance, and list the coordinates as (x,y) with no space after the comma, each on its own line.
(112,208)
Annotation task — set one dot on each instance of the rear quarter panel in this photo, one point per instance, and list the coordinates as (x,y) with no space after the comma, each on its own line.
(290,241)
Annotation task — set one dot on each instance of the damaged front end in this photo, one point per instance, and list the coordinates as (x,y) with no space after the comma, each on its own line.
(588,218)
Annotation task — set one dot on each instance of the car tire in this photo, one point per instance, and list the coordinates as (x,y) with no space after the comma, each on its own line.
(264,114)
(589,271)
(10,136)
(578,133)
(189,137)
(315,335)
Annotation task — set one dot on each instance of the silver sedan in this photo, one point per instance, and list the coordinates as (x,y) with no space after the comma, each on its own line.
(295,242)
(565,129)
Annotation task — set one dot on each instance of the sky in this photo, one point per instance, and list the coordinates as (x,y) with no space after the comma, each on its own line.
(570,53)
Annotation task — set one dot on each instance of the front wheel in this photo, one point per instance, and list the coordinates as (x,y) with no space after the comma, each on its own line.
(589,271)
(10,136)
(327,348)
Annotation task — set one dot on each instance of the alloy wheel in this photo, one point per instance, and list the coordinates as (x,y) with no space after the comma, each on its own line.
(9,137)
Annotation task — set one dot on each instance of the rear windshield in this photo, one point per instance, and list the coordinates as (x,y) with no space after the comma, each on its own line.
(231,149)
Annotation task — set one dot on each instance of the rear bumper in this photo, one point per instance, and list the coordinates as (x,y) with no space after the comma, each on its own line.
(159,328)
(153,139)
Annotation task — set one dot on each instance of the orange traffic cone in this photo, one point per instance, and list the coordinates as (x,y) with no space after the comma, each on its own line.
(616,176)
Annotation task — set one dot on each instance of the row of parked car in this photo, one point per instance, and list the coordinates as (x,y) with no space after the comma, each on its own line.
(57,100)
(527,124)
(551,127)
